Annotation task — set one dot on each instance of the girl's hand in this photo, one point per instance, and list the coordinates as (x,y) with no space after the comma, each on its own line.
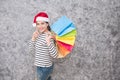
(49,36)
(35,35)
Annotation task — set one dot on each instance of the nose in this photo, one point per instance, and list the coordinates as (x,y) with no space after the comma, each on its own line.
(39,26)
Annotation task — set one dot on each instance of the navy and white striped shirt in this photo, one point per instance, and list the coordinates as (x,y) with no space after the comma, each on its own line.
(43,53)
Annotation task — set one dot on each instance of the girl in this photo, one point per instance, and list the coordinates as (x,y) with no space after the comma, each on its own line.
(42,43)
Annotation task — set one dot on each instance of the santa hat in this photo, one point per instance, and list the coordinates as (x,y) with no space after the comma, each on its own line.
(42,16)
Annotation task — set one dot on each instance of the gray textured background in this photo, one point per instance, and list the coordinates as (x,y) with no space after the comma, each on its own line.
(96,55)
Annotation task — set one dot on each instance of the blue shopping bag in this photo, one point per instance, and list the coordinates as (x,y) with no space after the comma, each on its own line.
(62,26)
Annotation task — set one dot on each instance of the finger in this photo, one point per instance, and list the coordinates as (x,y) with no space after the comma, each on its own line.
(37,32)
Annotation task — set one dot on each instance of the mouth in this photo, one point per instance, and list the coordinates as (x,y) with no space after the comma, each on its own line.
(41,29)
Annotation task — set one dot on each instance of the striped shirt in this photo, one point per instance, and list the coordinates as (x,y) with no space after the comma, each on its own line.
(43,53)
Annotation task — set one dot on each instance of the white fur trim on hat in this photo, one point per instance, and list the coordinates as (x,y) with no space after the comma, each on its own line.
(42,19)
(34,24)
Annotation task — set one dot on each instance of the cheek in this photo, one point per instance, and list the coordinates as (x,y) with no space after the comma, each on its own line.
(39,27)
(45,27)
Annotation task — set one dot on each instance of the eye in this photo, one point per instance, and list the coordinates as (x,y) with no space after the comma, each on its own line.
(42,23)
(37,23)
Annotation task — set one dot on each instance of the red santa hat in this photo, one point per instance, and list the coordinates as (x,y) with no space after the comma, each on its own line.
(42,16)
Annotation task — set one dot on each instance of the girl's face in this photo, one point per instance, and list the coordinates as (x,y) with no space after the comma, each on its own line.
(41,26)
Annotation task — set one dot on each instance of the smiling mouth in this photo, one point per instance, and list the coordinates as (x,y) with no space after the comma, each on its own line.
(41,28)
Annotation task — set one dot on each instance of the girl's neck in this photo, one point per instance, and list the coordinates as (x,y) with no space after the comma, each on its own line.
(47,31)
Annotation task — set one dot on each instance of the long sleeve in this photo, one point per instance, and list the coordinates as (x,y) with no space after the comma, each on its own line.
(43,53)
(52,49)
(32,46)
